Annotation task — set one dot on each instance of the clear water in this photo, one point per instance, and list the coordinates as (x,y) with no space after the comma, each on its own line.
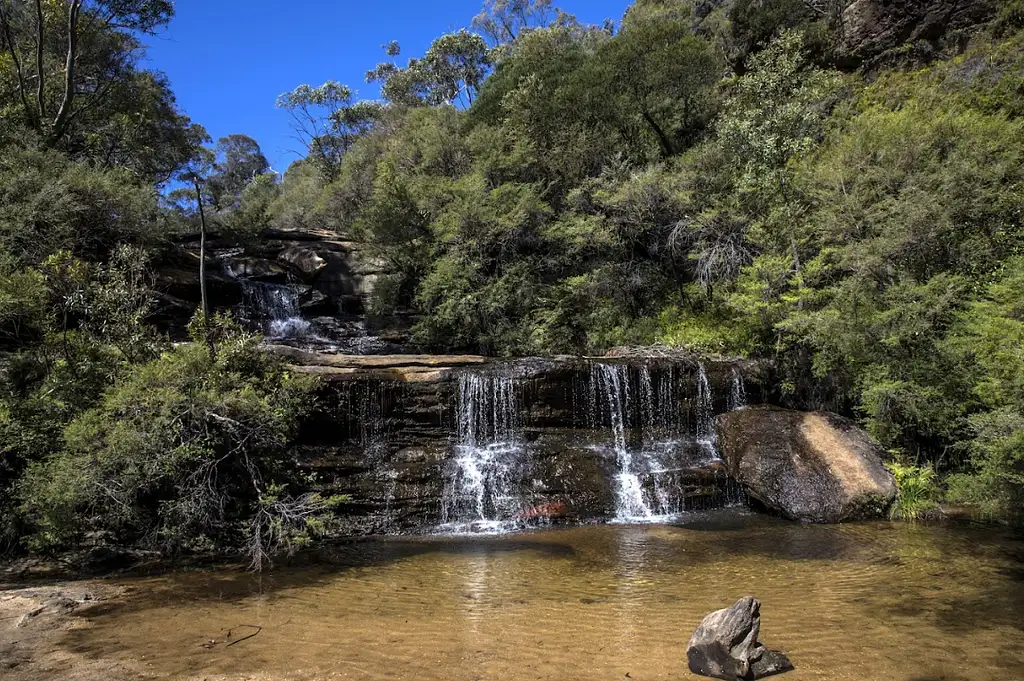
(857,602)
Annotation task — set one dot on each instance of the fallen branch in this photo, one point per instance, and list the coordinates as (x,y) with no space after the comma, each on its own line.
(244,638)
(212,643)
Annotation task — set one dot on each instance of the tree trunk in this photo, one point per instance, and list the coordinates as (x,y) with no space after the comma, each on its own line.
(204,300)
(40,75)
(60,123)
(663,141)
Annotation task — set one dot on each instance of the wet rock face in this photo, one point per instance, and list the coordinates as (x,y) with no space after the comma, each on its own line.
(808,466)
(725,645)
(386,433)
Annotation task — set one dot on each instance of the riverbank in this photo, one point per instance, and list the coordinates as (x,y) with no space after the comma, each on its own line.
(33,621)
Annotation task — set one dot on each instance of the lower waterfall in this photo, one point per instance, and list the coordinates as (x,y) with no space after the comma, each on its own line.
(650,439)
(483,480)
(631,441)
(613,381)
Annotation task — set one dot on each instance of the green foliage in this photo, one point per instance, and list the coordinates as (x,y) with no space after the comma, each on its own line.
(450,72)
(989,336)
(328,122)
(918,491)
(663,80)
(72,329)
(1010,17)
(754,24)
(185,447)
(49,203)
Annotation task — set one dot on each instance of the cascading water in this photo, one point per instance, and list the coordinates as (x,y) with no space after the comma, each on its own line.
(737,391)
(614,381)
(705,405)
(655,447)
(482,484)
(277,307)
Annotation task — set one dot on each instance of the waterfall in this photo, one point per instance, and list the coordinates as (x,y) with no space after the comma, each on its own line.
(613,379)
(488,409)
(648,405)
(277,306)
(655,449)
(482,489)
(737,391)
(705,407)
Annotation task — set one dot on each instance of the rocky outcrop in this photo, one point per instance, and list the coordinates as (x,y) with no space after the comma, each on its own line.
(388,368)
(808,466)
(725,645)
(385,430)
(306,261)
(255,269)
(333,277)
(872,30)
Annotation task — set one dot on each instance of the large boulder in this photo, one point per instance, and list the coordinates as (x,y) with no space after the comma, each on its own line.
(725,645)
(808,466)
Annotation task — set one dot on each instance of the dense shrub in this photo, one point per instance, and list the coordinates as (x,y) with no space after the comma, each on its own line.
(187,451)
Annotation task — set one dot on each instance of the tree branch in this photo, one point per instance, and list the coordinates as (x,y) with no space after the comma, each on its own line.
(41,79)
(63,115)
(5,26)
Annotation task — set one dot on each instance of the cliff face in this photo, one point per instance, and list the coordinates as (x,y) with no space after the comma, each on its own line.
(422,441)
(874,32)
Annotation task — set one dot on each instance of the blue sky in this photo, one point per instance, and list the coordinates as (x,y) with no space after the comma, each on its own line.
(228,60)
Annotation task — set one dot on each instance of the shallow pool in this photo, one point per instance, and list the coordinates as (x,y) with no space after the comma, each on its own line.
(866,601)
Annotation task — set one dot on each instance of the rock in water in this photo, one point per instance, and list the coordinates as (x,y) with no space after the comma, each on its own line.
(815,467)
(725,645)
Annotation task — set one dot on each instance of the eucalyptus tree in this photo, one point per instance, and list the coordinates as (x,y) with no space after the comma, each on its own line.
(664,75)
(327,121)
(194,195)
(33,31)
(503,21)
(450,73)
(239,161)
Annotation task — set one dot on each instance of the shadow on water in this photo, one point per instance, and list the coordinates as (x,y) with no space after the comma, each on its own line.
(309,569)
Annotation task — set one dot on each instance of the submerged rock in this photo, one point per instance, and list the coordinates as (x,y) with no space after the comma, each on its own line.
(725,645)
(808,466)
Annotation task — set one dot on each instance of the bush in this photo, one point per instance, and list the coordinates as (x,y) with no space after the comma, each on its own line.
(918,491)
(186,449)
